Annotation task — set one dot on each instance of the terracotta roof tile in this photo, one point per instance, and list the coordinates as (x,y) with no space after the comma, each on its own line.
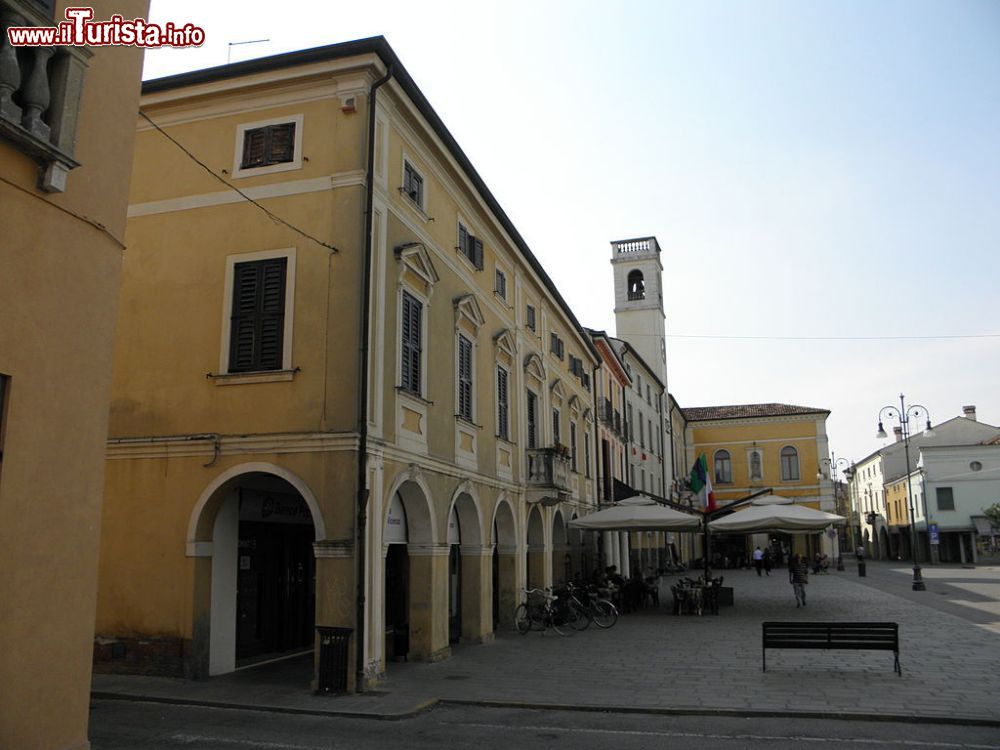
(742,411)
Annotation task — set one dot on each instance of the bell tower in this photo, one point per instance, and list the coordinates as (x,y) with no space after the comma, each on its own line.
(639,317)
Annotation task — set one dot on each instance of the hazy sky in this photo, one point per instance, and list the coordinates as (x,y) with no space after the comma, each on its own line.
(823,177)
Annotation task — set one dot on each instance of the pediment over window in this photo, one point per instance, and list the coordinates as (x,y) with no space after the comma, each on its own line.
(533,367)
(557,389)
(413,257)
(504,341)
(467,310)
(575,404)
(588,415)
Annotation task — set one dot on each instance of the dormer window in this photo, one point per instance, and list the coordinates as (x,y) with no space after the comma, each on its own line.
(636,286)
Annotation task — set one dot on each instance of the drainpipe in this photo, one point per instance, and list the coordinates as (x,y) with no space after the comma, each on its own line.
(362,509)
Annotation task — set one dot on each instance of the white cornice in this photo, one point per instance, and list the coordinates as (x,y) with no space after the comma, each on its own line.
(202,446)
(260,192)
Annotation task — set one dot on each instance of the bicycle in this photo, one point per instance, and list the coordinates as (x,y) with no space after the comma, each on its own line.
(537,613)
(602,612)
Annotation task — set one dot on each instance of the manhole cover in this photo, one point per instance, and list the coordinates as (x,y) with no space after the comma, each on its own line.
(457,677)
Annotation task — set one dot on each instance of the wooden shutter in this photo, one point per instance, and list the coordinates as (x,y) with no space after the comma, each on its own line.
(502,405)
(282,143)
(531,317)
(464,378)
(531,419)
(256,337)
(477,252)
(254,145)
(463,240)
(410,376)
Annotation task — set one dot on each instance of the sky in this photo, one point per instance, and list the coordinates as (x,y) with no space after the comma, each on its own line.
(823,177)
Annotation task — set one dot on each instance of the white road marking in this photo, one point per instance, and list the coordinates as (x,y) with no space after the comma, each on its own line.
(190,739)
(751,737)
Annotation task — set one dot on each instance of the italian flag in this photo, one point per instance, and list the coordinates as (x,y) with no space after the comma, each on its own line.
(700,480)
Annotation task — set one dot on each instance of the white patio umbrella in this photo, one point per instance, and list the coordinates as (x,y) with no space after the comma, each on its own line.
(637,513)
(775,513)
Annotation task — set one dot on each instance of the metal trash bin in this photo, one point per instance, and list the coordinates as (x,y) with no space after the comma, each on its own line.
(334,656)
(862,572)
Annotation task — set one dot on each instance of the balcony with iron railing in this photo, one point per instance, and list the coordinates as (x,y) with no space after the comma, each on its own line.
(548,475)
(40,90)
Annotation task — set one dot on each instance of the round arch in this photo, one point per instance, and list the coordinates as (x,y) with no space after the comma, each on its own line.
(416,496)
(200,524)
(465,502)
(505,522)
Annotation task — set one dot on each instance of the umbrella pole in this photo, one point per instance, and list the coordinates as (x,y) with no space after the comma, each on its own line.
(708,573)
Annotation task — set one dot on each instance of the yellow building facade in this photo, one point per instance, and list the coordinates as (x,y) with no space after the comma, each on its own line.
(67,121)
(345,396)
(753,447)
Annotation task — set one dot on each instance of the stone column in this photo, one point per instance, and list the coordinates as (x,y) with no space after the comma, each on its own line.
(536,566)
(336,599)
(509,594)
(477,593)
(624,567)
(610,548)
(429,602)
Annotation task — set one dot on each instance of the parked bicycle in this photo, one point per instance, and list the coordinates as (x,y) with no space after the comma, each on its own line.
(542,610)
(600,611)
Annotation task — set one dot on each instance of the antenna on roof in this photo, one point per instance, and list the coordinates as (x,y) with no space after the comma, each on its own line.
(229,54)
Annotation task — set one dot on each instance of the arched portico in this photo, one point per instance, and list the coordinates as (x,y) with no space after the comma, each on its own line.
(416,573)
(561,559)
(505,598)
(535,560)
(251,533)
(471,580)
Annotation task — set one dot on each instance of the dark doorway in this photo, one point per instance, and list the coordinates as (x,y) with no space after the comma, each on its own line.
(397,605)
(276,573)
(496,588)
(454,594)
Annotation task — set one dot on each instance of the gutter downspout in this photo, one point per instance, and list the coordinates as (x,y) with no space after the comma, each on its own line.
(362,500)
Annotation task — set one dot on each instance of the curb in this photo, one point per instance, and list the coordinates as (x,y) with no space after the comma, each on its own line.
(431,703)
(419,709)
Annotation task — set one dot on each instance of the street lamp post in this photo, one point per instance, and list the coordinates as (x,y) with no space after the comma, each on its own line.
(834,465)
(904,414)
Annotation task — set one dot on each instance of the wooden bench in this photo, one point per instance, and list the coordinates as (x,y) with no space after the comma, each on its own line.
(875,636)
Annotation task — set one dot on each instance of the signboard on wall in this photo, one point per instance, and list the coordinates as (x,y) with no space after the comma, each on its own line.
(932,531)
(395,523)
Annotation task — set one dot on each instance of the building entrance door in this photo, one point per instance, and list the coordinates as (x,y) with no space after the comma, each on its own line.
(276,572)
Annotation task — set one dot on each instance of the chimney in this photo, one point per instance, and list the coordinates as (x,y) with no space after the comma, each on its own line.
(898,432)
(969,412)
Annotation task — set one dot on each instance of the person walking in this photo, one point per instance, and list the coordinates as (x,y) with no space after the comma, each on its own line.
(767,561)
(758,560)
(798,576)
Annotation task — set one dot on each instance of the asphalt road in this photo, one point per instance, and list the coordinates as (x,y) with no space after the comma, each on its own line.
(128,725)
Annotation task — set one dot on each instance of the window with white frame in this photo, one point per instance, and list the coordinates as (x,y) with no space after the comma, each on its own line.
(723,467)
(556,437)
(756,465)
(529,318)
(586,453)
(464,378)
(789,464)
(257,316)
(268,146)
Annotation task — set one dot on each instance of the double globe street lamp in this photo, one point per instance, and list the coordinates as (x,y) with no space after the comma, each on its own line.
(834,464)
(904,414)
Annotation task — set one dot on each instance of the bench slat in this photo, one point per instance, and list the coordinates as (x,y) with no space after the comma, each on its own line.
(874,636)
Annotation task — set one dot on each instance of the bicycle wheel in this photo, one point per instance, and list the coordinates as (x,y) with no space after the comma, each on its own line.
(605,613)
(579,618)
(558,624)
(522,620)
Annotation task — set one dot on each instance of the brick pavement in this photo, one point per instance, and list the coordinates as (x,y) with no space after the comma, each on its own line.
(655,661)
